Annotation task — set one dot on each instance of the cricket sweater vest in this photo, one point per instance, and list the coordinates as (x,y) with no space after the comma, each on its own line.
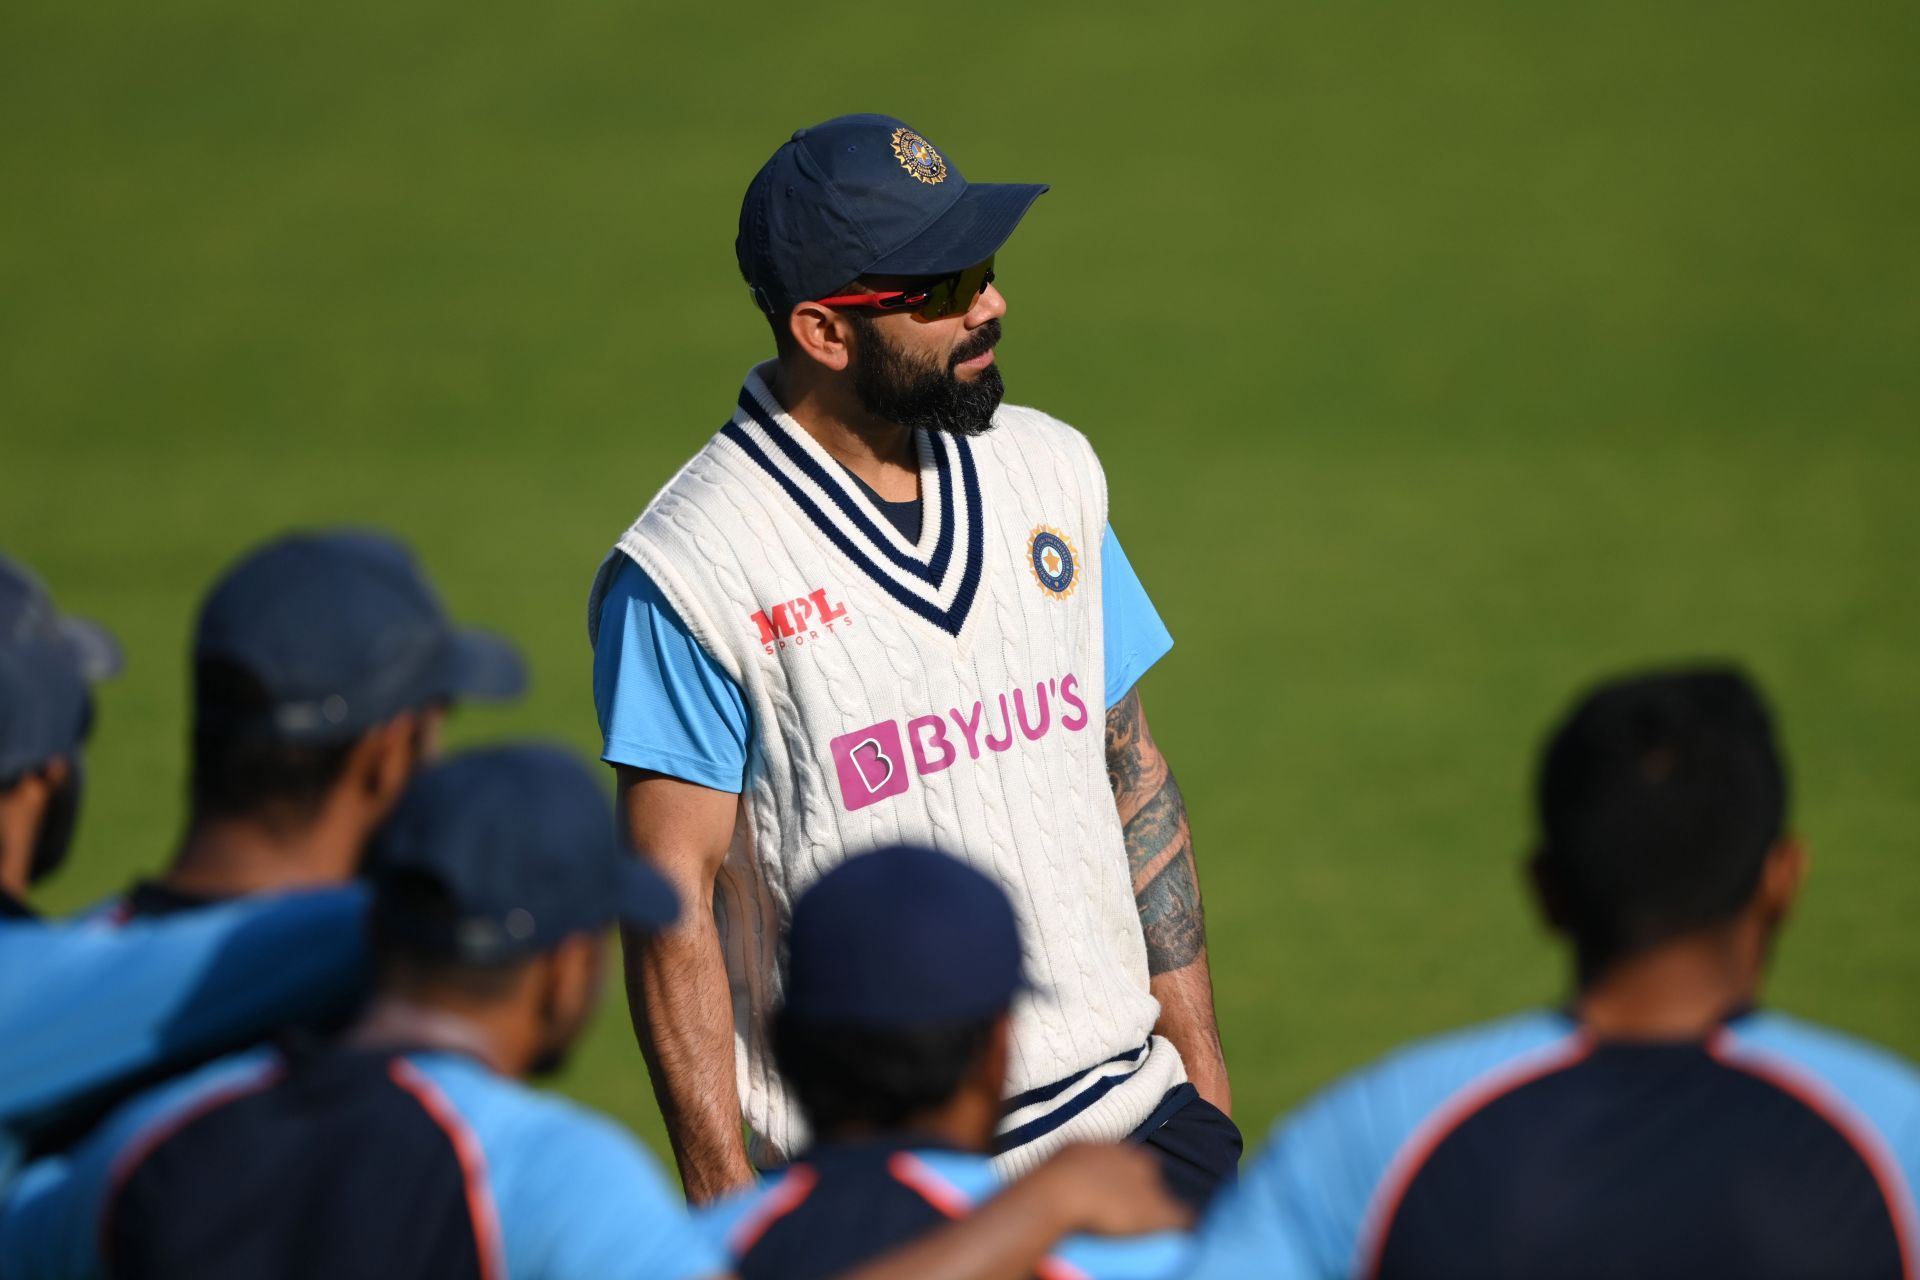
(946,693)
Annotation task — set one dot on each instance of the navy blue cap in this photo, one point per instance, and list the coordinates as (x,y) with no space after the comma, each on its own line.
(342,631)
(865,195)
(902,937)
(46,708)
(518,844)
(26,610)
(47,662)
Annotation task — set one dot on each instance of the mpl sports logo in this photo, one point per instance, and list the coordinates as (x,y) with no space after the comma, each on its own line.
(796,621)
(881,760)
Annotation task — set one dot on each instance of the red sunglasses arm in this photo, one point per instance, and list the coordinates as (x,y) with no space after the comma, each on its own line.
(899,297)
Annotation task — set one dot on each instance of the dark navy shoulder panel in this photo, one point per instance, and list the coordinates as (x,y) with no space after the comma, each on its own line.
(831,1213)
(339,1167)
(1642,1160)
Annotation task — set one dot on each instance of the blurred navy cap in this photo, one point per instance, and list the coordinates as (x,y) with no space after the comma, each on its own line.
(342,631)
(517,847)
(46,708)
(865,195)
(26,611)
(902,937)
(47,662)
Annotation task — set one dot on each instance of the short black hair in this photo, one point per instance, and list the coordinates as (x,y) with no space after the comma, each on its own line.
(854,1078)
(1660,796)
(240,771)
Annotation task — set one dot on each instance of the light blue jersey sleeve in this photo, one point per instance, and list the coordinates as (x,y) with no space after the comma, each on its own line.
(665,705)
(1135,636)
(109,1004)
(577,1197)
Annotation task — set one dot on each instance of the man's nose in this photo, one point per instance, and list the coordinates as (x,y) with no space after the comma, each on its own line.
(990,305)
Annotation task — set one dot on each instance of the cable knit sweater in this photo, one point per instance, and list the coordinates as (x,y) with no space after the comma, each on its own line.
(948,694)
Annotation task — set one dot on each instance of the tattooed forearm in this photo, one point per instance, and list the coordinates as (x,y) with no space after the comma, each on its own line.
(1166,888)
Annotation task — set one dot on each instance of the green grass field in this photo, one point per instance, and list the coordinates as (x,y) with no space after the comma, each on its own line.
(1442,358)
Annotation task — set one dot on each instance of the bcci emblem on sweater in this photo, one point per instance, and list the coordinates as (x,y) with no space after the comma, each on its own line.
(1050,556)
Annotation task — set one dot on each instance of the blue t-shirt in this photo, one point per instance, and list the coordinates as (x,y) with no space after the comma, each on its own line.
(665,705)
(110,1006)
(354,1162)
(1527,1147)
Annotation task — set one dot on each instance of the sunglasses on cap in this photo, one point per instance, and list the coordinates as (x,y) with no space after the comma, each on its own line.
(934,299)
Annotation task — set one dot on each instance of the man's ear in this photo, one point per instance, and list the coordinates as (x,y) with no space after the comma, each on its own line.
(384,760)
(1781,876)
(55,772)
(1549,895)
(574,970)
(822,334)
(995,1055)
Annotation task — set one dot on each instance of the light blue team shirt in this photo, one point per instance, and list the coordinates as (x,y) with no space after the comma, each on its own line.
(89,1006)
(667,706)
(575,1196)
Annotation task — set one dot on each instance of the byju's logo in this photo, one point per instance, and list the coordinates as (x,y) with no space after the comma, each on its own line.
(799,620)
(878,761)
(870,764)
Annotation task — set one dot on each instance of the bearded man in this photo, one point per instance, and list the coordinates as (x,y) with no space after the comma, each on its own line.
(880,607)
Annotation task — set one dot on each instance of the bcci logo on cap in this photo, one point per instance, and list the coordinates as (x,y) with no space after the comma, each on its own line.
(918,157)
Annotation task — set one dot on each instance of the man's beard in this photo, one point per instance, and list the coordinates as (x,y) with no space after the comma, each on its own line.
(923,395)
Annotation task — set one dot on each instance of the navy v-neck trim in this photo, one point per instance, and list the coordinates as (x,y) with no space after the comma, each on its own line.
(936,572)
(932,571)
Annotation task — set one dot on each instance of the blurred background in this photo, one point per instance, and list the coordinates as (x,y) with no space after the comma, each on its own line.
(1442,358)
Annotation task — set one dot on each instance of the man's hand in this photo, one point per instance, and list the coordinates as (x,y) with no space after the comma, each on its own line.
(677,980)
(1166,889)
(1099,1189)
(1109,1190)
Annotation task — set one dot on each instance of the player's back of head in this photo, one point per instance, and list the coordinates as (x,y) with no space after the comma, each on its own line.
(902,966)
(48,664)
(307,644)
(1659,796)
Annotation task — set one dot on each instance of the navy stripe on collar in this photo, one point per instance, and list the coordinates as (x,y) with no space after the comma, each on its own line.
(950,619)
(934,571)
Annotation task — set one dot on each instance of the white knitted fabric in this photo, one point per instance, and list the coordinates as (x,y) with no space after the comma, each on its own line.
(899,694)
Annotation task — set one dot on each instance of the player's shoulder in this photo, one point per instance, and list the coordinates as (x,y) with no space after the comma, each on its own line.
(1381,1104)
(1031,441)
(1873,1079)
(144,1120)
(1026,425)
(518,1125)
(705,487)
